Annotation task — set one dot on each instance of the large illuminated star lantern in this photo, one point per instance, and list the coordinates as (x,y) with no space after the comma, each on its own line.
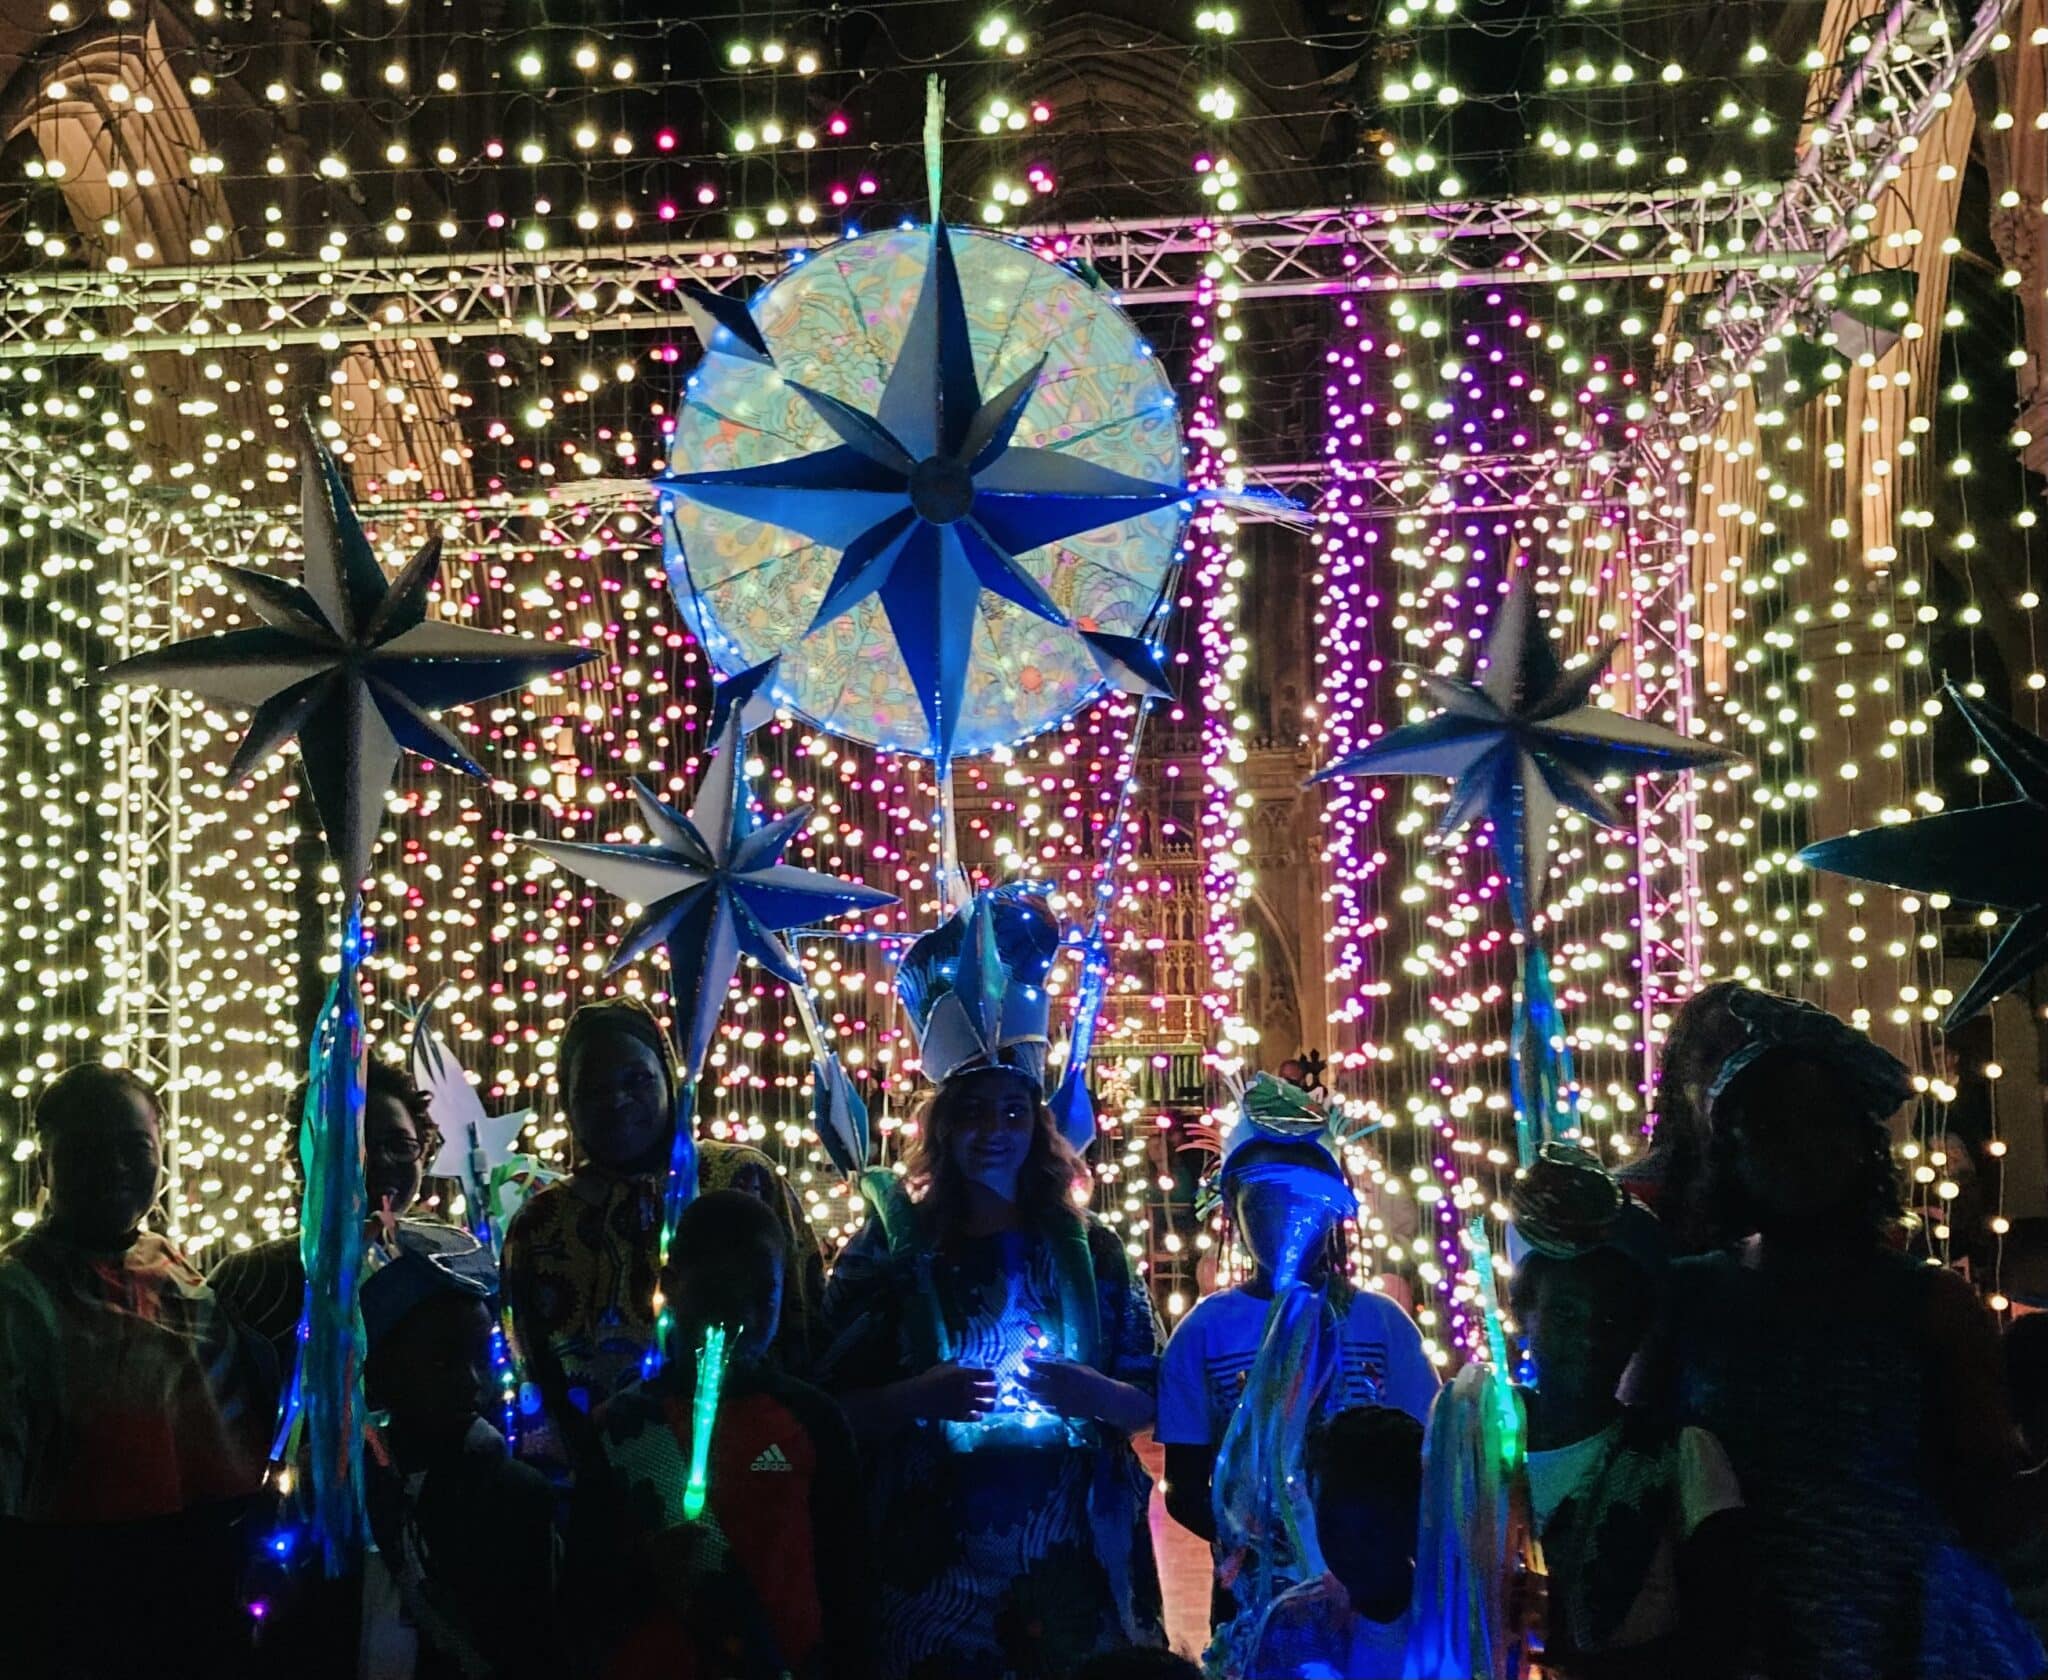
(929,501)
(714,887)
(1522,740)
(1996,855)
(347,661)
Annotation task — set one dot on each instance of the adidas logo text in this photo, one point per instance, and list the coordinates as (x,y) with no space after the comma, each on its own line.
(773,1458)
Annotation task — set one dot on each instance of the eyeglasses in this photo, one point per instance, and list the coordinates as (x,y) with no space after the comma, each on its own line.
(397,1149)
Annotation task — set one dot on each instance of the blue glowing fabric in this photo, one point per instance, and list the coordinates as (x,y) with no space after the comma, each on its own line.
(1265,1517)
(1472,1535)
(1539,1061)
(329,1385)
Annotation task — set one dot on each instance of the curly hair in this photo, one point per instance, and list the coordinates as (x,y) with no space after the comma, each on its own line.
(1044,1183)
(380,1079)
(1878,1202)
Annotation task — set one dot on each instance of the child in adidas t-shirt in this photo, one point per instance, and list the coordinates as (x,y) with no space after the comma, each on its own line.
(768,1578)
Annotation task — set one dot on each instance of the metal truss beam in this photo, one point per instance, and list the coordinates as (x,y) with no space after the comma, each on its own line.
(1917,53)
(143,947)
(573,513)
(258,305)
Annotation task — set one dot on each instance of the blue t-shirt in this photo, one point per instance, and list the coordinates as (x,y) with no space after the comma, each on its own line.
(1380,1363)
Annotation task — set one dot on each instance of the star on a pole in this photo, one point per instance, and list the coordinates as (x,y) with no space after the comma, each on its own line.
(714,887)
(928,500)
(348,662)
(1995,855)
(1522,740)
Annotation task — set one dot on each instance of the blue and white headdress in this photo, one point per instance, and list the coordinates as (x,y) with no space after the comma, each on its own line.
(974,987)
(1272,1110)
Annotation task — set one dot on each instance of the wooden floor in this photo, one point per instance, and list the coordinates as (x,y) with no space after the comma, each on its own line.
(1184,1568)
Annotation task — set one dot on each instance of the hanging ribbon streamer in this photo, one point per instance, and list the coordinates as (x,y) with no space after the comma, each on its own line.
(327,1397)
(677,1193)
(1509,1426)
(1539,1065)
(1072,1105)
(838,1115)
(1465,1619)
(712,1360)
(1265,1521)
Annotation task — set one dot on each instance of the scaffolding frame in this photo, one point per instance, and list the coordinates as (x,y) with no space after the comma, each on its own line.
(1769,247)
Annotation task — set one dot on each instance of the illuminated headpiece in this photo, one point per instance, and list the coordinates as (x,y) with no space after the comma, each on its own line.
(974,987)
(1309,1130)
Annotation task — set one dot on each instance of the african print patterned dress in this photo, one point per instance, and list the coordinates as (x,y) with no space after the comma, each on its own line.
(1016,1549)
(578,1279)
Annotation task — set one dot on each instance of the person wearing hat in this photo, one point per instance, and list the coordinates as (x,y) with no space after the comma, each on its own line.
(723,1165)
(580,1257)
(460,1584)
(1857,1391)
(1287,1195)
(581,1254)
(1640,1520)
(992,1347)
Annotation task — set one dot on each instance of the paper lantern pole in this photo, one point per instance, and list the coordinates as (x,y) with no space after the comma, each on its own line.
(715,889)
(348,662)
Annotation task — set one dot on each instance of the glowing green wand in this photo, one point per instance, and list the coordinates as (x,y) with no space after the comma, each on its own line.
(712,1359)
(1496,1343)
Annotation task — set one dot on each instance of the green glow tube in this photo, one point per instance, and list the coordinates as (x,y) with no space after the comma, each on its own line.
(1497,1343)
(711,1363)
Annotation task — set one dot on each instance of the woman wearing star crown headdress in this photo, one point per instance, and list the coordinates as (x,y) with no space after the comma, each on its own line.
(993,1348)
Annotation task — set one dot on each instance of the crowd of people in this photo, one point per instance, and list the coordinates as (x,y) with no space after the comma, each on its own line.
(1753,1436)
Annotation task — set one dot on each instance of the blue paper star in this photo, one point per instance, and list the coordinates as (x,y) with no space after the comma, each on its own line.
(1996,855)
(714,887)
(928,500)
(1521,741)
(348,662)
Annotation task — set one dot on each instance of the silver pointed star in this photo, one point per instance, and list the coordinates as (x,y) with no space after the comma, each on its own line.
(1523,740)
(348,662)
(928,500)
(1995,855)
(714,887)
